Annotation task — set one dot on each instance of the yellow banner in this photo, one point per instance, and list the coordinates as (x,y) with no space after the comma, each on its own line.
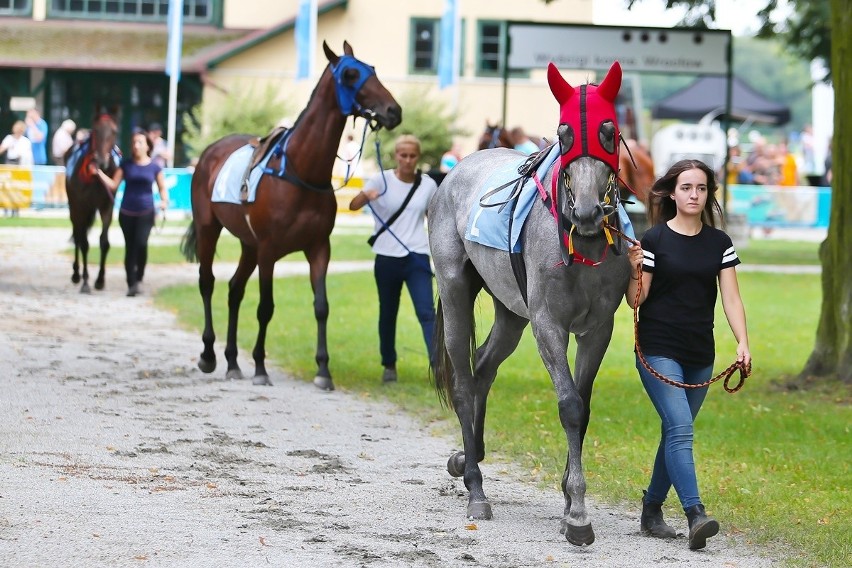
(16,187)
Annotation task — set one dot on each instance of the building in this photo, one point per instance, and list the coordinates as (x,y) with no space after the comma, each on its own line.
(82,57)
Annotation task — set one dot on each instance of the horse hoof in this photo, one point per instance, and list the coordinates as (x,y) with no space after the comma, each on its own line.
(99,285)
(578,536)
(75,279)
(206,366)
(84,289)
(261,380)
(234,375)
(480,511)
(455,465)
(324,383)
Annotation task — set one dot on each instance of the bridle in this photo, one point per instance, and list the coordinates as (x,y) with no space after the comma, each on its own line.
(744,369)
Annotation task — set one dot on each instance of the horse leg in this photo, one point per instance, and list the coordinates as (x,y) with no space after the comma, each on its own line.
(501,342)
(265,309)
(106,219)
(84,255)
(236,292)
(207,236)
(552,346)
(75,274)
(319,268)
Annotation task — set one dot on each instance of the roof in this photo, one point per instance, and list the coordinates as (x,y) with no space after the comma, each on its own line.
(709,94)
(104,46)
(125,46)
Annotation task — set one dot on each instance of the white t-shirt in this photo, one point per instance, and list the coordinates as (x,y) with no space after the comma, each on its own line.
(18,150)
(409,227)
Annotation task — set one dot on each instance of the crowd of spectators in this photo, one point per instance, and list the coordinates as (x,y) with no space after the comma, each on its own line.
(773,164)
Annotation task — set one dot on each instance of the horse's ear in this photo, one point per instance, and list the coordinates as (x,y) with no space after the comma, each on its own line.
(329,54)
(611,84)
(347,49)
(558,85)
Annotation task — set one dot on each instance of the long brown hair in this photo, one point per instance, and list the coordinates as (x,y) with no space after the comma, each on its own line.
(662,208)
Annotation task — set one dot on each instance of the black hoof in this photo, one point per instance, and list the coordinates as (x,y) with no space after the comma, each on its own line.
(234,375)
(261,381)
(75,278)
(480,510)
(206,366)
(99,285)
(455,465)
(578,536)
(324,383)
(85,289)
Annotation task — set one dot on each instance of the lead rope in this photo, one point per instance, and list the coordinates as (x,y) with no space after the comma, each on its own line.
(745,370)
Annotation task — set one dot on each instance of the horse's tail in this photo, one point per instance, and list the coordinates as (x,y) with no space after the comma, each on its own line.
(188,243)
(442,370)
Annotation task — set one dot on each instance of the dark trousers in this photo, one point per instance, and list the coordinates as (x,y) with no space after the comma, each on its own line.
(391,273)
(136,229)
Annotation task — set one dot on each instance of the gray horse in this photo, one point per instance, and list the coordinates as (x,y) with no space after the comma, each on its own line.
(557,288)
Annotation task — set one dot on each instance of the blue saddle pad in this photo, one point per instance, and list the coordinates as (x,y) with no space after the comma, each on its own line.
(489,226)
(226,188)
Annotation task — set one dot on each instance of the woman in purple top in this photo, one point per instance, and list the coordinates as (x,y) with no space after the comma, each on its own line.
(136,215)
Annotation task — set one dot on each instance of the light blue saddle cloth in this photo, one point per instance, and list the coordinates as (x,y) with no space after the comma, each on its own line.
(489,226)
(226,188)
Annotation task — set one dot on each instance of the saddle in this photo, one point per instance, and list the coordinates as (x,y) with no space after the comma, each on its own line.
(262,146)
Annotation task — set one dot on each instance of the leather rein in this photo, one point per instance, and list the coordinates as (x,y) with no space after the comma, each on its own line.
(745,370)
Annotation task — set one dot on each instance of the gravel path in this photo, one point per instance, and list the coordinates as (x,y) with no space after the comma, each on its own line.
(116,451)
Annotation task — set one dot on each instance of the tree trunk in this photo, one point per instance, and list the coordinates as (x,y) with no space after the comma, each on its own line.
(832,353)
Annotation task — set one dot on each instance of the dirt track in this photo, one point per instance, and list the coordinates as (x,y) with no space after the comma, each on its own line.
(116,451)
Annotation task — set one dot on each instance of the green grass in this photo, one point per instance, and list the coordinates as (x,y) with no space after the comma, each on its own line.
(767,251)
(764,454)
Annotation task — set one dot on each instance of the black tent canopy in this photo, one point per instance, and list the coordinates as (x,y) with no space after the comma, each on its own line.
(708,95)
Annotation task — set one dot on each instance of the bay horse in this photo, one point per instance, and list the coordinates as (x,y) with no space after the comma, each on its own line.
(559,291)
(293,211)
(636,170)
(494,137)
(87,195)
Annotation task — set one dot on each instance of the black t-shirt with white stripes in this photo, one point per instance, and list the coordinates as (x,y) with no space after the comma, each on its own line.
(676,318)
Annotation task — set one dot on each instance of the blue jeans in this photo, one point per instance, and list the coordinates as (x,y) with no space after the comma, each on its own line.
(391,273)
(677,407)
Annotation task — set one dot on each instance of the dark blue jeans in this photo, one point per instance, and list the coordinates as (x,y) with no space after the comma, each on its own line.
(136,229)
(391,273)
(677,407)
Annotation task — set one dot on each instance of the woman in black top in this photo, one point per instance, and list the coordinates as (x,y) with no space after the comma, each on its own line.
(682,256)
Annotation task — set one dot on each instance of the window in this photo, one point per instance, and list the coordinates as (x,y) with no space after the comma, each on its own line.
(424,45)
(490,50)
(194,11)
(16,7)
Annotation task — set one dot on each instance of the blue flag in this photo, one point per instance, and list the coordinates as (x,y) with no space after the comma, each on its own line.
(449,49)
(305,32)
(175,38)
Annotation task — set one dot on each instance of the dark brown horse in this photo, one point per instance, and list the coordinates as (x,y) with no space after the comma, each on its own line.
(87,195)
(494,137)
(292,212)
(639,177)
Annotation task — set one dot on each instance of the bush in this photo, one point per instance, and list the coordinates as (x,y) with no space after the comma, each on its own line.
(240,112)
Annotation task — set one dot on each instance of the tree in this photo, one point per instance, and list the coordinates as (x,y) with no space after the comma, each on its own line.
(819,29)
(240,112)
(428,119)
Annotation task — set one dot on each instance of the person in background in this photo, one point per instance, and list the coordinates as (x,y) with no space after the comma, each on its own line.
(136,215)
(398,199)
(522,141)
(160,155)
(19,151)
(680,260)
(37,130)
(450,158)
(63,139)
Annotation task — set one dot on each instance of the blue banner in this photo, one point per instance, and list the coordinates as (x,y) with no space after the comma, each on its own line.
(449,48)
(175,38)
(305,33)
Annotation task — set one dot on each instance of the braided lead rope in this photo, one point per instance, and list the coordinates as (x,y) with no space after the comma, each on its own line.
(745,370)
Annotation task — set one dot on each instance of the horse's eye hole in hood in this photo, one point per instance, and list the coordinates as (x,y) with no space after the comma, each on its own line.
(566,137)
(606,135)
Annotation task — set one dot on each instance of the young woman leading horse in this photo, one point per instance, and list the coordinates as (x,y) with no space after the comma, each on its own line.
(566,283)
(294,208)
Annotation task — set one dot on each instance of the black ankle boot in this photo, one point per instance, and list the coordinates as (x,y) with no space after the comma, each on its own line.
(651,523)
(701,527)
